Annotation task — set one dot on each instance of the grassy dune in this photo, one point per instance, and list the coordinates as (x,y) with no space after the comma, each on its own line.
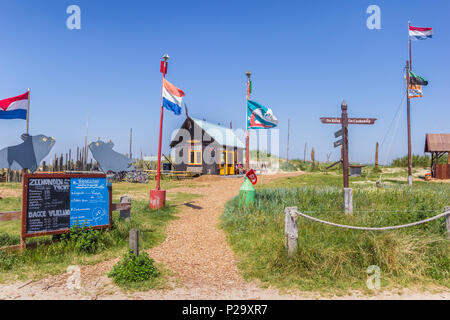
(335,259)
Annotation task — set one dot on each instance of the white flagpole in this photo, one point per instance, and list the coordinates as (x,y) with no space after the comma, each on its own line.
(28,111)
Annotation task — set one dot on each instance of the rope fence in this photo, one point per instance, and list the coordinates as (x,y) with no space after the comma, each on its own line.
(291,226)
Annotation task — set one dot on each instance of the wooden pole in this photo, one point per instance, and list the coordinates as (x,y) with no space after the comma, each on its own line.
(28,111)
(290,230)
(134,241)
(410,57)
(85,144)
(287,151)
(376,156)
(304,152)
(345,143)
(447,221)
(131,143)
(408,114)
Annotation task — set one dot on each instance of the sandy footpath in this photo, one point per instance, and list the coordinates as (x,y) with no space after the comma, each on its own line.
(195,249)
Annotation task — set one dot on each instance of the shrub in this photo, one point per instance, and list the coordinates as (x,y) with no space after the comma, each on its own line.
(417,161)
(287,166)
(133,269)
(7,261)
(84,239)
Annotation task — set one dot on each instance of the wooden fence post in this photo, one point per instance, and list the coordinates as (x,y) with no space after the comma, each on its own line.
(376,155)
(290,229)
(447,221)
(125,214)
(348,200)
(134,241)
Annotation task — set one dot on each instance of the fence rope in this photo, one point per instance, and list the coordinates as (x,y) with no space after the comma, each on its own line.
(369,228)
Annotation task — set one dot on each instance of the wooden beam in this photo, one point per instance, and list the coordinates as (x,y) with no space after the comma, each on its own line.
(121,206)
(10,216)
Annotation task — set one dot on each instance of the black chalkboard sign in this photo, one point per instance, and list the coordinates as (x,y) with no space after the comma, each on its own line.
(52,203)
(48,205)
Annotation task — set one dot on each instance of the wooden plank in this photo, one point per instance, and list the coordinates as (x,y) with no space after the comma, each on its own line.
(121,206)
(10,216)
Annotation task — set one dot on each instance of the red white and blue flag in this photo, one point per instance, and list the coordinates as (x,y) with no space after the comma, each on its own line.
(416,33)
(15,107)
(172,97)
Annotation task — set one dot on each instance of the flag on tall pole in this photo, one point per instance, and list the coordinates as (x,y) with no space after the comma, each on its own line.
(15,107)
(247,140)
(171,99)
(414,84)
(260,117)
(416,33)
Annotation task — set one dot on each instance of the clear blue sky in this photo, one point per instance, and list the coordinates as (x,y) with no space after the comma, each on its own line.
(306,57)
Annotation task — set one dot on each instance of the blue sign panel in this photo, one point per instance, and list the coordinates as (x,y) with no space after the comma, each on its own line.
(89,202)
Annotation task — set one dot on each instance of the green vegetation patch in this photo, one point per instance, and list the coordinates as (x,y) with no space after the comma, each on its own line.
(83,246)
(336,259)
(132,269)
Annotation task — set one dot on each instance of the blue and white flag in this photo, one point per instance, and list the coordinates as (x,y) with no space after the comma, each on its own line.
(260,117)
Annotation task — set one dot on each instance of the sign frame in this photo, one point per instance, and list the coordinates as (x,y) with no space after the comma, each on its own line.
(25,188)
(338,143)
(331,120)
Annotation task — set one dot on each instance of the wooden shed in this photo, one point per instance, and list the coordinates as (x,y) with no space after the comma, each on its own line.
(438,145)
(206,148)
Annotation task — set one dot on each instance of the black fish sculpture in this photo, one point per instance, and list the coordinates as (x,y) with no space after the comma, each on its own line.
(28,154)
(108,159)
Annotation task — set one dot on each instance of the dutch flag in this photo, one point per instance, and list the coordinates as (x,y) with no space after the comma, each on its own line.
(15,107)
(416,33)
(172,97)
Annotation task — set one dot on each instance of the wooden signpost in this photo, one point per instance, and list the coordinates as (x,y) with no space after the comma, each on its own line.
(343,132)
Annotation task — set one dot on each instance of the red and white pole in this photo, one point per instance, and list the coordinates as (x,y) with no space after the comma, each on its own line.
(158,196)
(247,140)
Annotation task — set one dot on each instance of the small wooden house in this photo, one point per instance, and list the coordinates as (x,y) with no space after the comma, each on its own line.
(438,145)
(206,148)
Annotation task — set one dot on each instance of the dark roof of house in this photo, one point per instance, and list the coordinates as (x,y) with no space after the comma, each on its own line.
(222,135)
(437,142)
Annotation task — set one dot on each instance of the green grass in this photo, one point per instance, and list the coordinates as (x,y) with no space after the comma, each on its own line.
(55,258)
(332,259)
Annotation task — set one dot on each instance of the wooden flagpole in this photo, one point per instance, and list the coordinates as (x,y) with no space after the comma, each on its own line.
(410,56)
(408,110)
(408,115)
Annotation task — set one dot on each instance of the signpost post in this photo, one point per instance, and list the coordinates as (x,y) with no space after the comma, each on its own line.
(344,120)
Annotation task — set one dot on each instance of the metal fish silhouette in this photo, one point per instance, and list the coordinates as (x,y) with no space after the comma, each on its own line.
(28,154)
(108,159)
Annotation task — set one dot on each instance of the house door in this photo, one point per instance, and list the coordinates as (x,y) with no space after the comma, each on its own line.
(227,163)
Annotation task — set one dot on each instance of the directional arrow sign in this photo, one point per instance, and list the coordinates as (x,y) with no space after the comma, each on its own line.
(338,143)
(350,120)
(338,134)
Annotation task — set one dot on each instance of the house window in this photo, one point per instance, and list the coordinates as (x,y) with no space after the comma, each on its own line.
(195,155)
